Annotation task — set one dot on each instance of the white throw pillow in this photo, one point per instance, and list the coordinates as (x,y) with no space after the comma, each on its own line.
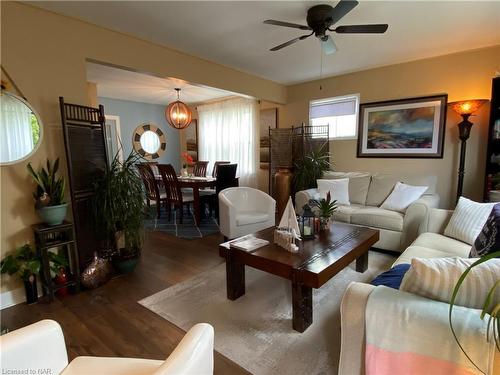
(435,278)
(467,220)
(402,196)
(339,190)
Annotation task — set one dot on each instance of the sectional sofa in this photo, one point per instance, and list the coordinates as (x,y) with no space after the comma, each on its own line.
(367,192)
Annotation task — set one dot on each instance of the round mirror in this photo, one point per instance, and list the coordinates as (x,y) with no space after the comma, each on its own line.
(20,129)
(149,141)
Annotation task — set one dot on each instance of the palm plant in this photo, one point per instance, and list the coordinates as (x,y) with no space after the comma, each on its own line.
(50,188)
(310,168)
(119,205)
(326,207)
(490,307)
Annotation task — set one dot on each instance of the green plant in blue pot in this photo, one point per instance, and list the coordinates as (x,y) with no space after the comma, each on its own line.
(49,193)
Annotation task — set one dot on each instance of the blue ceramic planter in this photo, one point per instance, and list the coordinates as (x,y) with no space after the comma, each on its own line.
(53,215)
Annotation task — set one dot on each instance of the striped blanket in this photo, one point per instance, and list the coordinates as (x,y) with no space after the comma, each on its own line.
(408,334)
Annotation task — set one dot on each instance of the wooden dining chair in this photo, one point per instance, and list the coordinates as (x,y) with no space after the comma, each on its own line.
(216,166)
(153,192)
(226,178)
(200,169)
(176,198)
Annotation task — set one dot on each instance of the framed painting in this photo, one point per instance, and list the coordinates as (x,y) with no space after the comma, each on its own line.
(404,128)
(268,119)
(191,139)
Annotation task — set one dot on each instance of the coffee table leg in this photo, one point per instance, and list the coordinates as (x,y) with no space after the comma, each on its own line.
(235,279)
(362,263)
(302,306)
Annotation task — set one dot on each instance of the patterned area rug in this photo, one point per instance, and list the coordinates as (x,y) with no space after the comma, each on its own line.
(187,230)
(255,331)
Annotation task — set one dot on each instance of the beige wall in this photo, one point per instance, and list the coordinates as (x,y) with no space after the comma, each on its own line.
(465,75)
(45,54)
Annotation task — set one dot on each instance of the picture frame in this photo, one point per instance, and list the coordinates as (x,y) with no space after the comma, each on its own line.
(403,128)
(191,139)
(268,119)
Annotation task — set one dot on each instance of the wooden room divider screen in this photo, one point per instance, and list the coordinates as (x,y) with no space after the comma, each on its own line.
(84,132)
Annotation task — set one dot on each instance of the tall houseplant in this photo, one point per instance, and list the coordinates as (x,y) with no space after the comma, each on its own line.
(119,209)
(49,193)
(310,168)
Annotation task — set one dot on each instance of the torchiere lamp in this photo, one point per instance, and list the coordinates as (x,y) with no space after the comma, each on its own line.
(465,109)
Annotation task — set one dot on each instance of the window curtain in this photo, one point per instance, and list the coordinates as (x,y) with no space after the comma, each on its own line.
(228,130)
(16,139)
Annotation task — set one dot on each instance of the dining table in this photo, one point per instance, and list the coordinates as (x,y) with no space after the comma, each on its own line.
(196,184)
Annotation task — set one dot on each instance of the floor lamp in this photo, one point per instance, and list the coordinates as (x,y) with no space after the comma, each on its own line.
(465,109)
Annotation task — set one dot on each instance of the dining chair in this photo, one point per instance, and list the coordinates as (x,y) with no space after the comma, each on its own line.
(176,197)
(216,167)
(226,177)
(153,192)
(200,169)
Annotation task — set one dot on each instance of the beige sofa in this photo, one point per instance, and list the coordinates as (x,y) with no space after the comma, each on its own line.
(366,193)
(431,243)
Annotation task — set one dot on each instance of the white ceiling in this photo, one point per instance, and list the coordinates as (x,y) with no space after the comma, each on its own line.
(138,87)
(231,32)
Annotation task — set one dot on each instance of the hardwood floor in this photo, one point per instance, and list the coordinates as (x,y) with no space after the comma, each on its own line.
(108,321)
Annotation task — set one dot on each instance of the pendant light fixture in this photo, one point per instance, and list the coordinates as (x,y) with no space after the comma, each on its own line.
(178,114)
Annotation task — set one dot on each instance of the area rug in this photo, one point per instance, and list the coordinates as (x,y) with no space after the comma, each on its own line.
(255,331)
(187,230)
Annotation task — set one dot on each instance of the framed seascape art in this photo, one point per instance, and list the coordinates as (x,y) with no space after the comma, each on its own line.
(404,128)
(268,119)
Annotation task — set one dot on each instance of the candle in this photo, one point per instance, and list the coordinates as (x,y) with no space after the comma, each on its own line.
(307,230)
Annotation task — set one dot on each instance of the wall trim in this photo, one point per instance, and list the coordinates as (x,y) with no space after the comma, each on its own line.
(12,297)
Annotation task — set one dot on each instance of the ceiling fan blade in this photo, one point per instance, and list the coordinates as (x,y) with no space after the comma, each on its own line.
(362,29)
(341,9)
(328,46)
(286,24)
(286,44)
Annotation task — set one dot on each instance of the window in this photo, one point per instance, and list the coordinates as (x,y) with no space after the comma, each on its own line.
(339,113)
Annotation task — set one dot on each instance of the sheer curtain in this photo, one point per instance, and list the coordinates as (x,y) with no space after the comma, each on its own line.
(16,138)
(228,130)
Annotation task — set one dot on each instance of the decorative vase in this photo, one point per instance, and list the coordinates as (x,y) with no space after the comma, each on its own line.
(97,273)
(184,172)
(283,181)
(60,279)
(31,290)
(53,215)
(324,223)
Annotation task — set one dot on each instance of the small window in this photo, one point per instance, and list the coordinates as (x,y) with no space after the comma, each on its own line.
(339,113)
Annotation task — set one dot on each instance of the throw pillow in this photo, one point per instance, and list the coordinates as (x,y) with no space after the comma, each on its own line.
(393,277)
(402,196)
(339,190)
(488,240)
(435,278)
(467,220)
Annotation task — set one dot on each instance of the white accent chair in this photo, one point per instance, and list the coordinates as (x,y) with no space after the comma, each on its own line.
(243,210)
(40,348)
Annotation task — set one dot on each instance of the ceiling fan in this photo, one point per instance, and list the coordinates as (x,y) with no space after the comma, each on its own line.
(321,18)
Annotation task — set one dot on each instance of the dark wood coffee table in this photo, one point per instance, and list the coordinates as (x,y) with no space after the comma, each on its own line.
(316,262)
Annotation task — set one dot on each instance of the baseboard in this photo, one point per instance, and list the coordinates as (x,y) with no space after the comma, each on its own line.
(15,297)
(12,297)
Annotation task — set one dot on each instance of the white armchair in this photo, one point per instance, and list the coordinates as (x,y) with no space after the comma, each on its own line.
(243,210)
(40,348)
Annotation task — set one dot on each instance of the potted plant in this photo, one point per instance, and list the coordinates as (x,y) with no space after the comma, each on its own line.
(49,194)
(310,168)
(118,209)
(326,208)
(25,263)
